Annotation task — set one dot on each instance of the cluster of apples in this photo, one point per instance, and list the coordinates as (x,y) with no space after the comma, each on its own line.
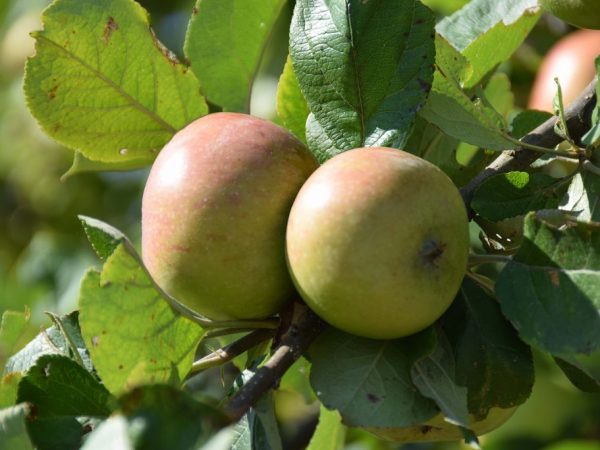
(238,218)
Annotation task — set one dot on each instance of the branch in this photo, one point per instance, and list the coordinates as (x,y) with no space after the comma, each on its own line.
(305,327)
(578,118)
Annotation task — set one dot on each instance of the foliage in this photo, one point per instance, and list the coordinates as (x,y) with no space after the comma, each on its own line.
(131,368)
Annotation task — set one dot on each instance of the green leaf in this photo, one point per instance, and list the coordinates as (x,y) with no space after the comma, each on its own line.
(356,102)
(13,433)
(583,197)
(104,237)
(8,389)
(491,361)
(487,32)
(291,105)
(61,391)
(369,381)
(133,334)
(225,41)
(82,164)
(526,121)
(152,417)
(551,289)
(55,340)
(574,444)
(592,137)
(13,326)
(499,95)
(434,375)
(102,84)
(330,433)
(452,110)
(578,375)
(516,193)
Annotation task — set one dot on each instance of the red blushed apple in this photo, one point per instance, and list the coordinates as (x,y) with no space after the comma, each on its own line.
(214,215)
(377,242)
(571,60)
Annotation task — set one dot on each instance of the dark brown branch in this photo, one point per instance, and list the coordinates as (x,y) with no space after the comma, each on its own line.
(305,327)
(578,117)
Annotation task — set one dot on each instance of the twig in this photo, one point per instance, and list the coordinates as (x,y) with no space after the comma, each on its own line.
(305,327)
(578,118)
(232,350)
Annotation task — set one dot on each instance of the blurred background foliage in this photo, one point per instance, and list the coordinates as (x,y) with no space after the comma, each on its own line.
(43,252)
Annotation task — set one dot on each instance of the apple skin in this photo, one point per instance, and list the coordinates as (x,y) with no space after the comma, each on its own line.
(377,242)
(571,60)
(580,13)
(214,215)
(437,429)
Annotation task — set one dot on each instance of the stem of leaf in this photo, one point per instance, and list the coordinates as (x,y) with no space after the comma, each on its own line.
(538,149)
(590,167)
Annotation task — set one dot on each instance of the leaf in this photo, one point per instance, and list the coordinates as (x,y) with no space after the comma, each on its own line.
(133,334)
(578,375)
(434,376)
(152,417)
(291,106)
(8,389)
(330,433)
(61,392)
(527,121)
(369,381)
(13,434)
(13,326)
(592,137)
(551,289)
(104,237)
(225,41)
(355,102)
(583,197)
(487,32)
(453,111)
(100,82)
(491,361)
(512,194)
(82,164)
(52,341)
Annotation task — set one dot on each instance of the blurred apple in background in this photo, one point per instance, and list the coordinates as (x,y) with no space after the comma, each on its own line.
(571,60)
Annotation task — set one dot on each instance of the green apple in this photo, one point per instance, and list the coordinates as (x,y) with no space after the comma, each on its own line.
(377,242)
(581,13)
(437,429)
(214,215)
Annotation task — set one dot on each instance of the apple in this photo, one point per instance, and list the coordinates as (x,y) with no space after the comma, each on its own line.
(377,242)
(214,215)
(437,429)
(571,60)
(581,13)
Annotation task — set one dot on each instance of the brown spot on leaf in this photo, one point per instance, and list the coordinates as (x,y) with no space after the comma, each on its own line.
(110,27)
(120,366)
(425,429)
(419,21)
(56,127)
(33,412)
(52,92)
(425,86)
(194,11)
(554,278)
(373,398)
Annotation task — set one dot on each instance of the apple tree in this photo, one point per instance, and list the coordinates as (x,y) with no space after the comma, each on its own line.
(140,366)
